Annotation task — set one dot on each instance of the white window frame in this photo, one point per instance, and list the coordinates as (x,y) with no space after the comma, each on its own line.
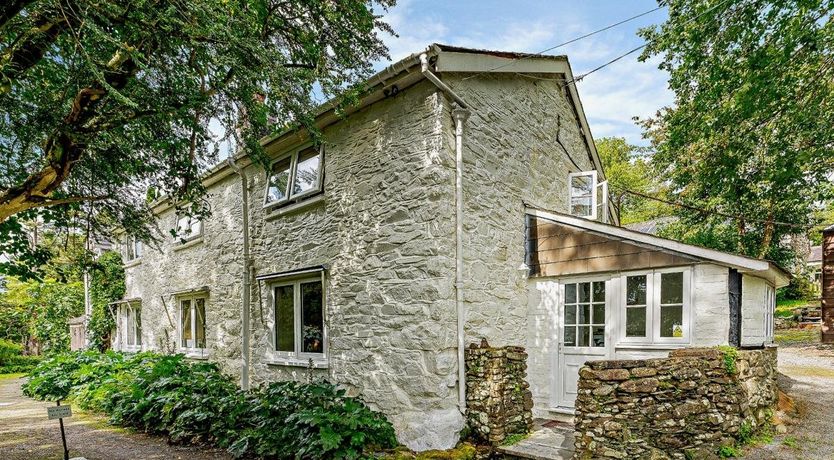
(131,242)
(608,313)
(653,307)
(192,235)
(192,297)
(770,311)
(290,196)
(296,283)
(593,195)
(124,322)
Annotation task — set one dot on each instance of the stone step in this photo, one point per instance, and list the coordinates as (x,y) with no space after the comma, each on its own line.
(536,451)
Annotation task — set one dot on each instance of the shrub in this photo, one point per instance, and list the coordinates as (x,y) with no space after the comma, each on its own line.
(12,359)
(197,403)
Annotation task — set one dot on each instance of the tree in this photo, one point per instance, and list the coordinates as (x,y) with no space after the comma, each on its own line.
(629,173)
(104,99)
(750,139)
(107,284)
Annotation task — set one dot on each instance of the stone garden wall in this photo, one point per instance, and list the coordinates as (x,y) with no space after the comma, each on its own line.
(498,399)
(683,406)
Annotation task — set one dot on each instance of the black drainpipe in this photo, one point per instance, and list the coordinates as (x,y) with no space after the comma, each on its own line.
(734,287)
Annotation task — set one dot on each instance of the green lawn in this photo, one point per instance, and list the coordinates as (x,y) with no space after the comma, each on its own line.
(785,308)
(797,336)
(11,376)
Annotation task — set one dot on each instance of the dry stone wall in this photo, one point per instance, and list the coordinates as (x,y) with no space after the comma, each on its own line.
(498,398)
(683,406)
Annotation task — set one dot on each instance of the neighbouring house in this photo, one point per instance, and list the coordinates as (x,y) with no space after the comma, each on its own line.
(461,199)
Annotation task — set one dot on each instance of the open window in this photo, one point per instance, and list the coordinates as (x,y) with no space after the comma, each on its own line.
(294,177)
(587,197)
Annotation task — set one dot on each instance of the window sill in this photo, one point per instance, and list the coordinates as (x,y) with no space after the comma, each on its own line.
(132,263)
(188,244)
(293,362)
(195,354)
(277,212)
(649,346)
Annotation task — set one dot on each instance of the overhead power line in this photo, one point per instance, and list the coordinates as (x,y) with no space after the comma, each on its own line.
(573,40)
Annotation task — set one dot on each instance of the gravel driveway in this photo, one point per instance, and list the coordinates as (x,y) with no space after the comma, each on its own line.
(806,373)
(26,434)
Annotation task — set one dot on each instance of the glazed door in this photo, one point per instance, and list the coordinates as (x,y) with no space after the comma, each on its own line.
(584,315)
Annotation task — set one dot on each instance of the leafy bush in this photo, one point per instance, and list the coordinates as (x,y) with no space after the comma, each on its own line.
(12,359)
(8,350)
(197,403)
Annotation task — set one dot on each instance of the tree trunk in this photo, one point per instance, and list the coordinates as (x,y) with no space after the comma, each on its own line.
(767,239)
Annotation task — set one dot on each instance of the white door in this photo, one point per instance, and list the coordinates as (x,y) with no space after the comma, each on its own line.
(583,316)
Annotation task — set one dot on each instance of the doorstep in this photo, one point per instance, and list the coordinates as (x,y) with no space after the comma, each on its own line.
(549,440)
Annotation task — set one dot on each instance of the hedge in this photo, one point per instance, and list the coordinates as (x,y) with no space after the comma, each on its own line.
(195,402)
(12,359)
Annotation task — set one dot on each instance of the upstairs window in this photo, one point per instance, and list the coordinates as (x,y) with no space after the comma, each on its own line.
(295,176)
(587,197)
(132,249)
(189,228)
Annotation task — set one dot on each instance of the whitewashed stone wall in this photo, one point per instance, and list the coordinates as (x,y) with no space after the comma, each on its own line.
(385,229)
(711,305)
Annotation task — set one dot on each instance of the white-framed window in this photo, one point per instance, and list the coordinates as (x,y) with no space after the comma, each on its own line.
(299,318)
(656,306)
(189,228)
(132,248)
(130,319)
(587,197)
(191,312)
(770,309)
(584,320)
(294,176)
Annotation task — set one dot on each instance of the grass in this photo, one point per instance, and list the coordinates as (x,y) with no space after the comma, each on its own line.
(514,439)
(791,442)
(786,307)
(797,336)
(11,376)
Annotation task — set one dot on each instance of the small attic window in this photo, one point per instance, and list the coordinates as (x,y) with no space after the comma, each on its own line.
(583,196)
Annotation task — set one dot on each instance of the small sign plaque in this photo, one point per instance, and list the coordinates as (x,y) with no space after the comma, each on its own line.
(58,412)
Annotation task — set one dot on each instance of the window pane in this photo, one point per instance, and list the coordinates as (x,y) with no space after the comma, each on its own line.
(581,206)
(284,319)
(671,321)
(636,322)
(599,291)
(636,290)
(278,180)
(584,338)
(312,318)
(599,313)
(306,171)
(671,288)
(581,186)
(130,249)
(570,314)
(189,227)
(185,324)
(200,322)
(131,326)
(138,313)
(138,249)
(570,336)
(584,292)
(570,293)
(598,336)
(584,313)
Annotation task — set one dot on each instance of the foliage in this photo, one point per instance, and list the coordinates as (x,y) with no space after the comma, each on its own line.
(514,439)
(463,451)
(628,170)
(196,402)
(12,359)
(800,288)
(105,99)
(8,350)
(730,354)
(107,284)
(749,142)
(791,442)
(729,452)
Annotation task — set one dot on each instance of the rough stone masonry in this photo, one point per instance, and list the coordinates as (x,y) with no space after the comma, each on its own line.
(683,406)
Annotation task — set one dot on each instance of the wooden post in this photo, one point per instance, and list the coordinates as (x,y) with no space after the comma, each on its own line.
(827,303)
(63,436)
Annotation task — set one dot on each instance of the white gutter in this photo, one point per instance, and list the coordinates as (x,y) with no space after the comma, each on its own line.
(247,280)
(460,112)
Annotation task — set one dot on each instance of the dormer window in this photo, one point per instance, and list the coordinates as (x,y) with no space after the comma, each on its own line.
(587,197)
(294,176)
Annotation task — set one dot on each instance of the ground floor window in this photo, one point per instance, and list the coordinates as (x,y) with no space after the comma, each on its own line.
(299,317)
(585,314)
(656,306)
(130,319)
(192,322)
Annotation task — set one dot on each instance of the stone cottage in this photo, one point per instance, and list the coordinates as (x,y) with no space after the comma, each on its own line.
(461,199)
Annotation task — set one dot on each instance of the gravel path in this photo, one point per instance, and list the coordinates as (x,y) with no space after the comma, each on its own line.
(26,434)
(806,373)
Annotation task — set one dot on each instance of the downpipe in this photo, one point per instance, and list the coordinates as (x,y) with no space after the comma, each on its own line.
(247,279)
(460,113)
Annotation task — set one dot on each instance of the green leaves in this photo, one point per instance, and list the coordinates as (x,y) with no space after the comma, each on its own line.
(197,403)
(751,134)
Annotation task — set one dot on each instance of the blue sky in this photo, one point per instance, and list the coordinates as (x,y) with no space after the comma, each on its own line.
(611,96)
